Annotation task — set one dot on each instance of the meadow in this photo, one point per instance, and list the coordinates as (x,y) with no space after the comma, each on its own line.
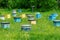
(43,30)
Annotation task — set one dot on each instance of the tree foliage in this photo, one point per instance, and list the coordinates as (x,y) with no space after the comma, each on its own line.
(39,4)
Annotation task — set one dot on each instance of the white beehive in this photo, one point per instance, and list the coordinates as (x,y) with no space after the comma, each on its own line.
(2,17)
(14,11)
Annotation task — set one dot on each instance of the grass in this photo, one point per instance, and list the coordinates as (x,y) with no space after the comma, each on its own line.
(43,30)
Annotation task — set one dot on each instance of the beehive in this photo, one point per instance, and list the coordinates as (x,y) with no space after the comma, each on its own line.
(53,17)
(31,18)
(26,27)
(19,10)
(17,19)
(33,22)
(14,13)
(5,25)
(56,23)
(38,15)
(29,15)
(8,16)
(2,17)
(23,16)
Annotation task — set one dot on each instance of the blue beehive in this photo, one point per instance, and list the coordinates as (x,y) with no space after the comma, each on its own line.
(5,25)
(17,19)
(53,16)
(19,10)
(56,22)
(38,15)
(26,27)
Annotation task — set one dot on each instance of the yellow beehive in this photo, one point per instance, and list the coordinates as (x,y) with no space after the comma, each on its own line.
(33,22)
(23,16)
(8,16)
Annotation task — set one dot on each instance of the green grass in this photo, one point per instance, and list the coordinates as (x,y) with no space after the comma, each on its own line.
(43,30)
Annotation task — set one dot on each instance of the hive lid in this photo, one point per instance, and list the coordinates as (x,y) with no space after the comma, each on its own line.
(56,21)
(29,15)
(27,25)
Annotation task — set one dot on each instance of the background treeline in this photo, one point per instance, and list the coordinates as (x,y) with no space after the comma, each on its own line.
(39,4)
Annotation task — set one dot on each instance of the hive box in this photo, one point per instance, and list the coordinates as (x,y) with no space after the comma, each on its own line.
(14,13)
(5,25)
(23,16)
(8,16)
(26,27)
(19,10)
(31,19)
(29,15)
(56,22)
(2,17)
(17,19)
(53,17)
(33,22)
(38,15)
